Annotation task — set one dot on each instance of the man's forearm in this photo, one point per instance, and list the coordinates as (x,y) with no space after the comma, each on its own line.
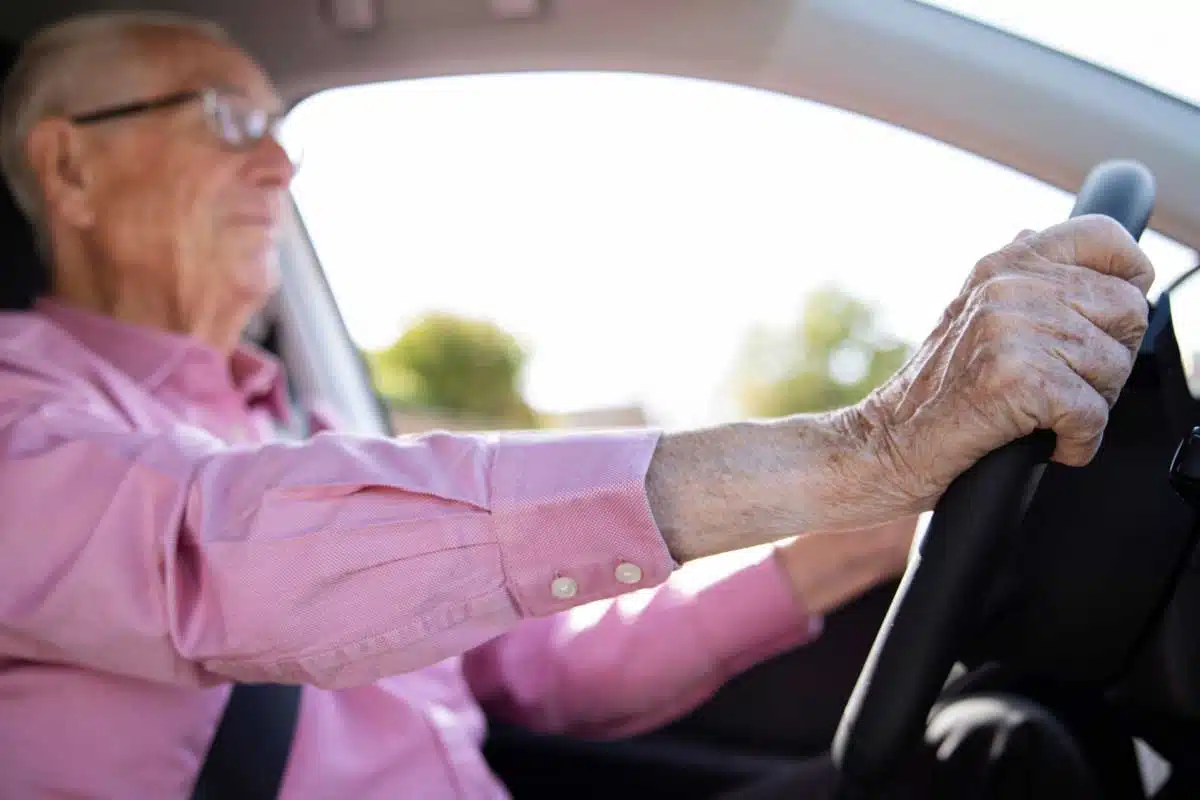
(746,483)
(828,569)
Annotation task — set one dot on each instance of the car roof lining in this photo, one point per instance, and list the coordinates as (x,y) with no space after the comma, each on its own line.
(1023,105)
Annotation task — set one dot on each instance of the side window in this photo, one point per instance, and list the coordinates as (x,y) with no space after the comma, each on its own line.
(545,250)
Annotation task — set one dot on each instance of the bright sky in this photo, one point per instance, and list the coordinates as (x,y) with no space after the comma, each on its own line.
(633,229)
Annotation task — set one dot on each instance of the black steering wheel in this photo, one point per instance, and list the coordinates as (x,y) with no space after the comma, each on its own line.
(946,584)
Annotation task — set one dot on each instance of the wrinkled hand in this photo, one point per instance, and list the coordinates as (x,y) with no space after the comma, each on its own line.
(1043,335)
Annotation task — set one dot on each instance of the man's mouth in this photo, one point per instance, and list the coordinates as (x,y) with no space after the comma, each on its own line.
(261,219)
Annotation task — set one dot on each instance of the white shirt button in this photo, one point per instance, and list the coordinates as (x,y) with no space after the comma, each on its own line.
(564,588)
(628,573)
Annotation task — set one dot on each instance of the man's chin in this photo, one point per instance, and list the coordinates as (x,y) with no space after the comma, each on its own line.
(257,281)
(246,302)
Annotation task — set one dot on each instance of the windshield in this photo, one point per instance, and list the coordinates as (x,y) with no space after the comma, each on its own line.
(609,249)
(1151,41)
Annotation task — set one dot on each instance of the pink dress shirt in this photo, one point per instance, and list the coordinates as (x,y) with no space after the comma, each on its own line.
(155,544)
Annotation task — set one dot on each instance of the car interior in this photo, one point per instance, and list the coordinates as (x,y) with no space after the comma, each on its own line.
(1074,590)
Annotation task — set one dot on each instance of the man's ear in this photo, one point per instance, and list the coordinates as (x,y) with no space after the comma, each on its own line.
(55,149)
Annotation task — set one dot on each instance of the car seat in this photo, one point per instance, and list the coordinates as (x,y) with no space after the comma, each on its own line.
(23,276)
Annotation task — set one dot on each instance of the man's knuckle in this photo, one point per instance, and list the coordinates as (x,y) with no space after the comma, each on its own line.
(1086,422)
(1121,359)
(1092,421)
(1118,369)
(986,324)
(1129,323)
(1003,294)
(1129,297)
(1089,409)
(993,294)
(1001,367)
(991,267)
(1135,311)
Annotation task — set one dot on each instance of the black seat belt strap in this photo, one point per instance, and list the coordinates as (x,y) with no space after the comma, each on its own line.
(250,749)
(249,752)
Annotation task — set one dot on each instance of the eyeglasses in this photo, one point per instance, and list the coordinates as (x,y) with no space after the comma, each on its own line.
(235,119)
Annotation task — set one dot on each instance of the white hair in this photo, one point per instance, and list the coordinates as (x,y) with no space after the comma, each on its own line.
(48,79)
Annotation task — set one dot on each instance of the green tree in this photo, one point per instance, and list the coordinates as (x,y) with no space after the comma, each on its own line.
(457,364)
(832,357)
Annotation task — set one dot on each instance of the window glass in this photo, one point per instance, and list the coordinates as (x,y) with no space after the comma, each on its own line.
(600,249)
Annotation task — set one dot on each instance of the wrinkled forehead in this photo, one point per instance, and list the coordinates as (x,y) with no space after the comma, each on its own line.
(178,61)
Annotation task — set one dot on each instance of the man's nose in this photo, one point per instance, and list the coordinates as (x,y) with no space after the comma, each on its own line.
(271,166)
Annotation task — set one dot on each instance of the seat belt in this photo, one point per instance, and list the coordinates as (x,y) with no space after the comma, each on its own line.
(249,753)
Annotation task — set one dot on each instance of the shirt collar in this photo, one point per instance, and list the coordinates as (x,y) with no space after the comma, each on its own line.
(157,358)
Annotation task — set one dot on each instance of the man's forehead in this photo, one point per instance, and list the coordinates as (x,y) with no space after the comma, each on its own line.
(179,61)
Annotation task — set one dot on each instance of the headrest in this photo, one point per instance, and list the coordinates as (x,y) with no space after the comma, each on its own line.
(23,276)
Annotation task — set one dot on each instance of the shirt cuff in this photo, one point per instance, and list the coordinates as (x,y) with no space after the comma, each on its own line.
(572,518)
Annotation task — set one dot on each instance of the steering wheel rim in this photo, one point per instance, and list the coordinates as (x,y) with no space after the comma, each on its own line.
(946,581)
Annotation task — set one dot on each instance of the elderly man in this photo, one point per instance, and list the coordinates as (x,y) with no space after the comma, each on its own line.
(156,546)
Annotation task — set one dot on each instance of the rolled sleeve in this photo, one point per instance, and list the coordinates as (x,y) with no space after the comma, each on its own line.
(572,519)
